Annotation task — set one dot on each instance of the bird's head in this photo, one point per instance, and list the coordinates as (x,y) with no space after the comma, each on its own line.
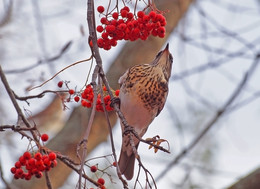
(164,60)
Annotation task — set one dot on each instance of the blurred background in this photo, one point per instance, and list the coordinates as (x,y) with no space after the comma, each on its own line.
(214,44)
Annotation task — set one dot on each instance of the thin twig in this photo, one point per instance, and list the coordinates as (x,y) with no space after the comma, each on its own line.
(215,118)
(17,107)
(62,51)
(73,64)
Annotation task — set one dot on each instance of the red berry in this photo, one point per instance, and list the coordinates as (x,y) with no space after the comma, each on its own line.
(114,163)
(100,9)
(115,15)
(124,13)
(101,181)
(19,172)
(71,91)
(16,176)
(54,163)
(31,162)
(110,28)
(18,164)
(44,137)
(130,15)
(47,162)
(76,98)
(93,168)
(103,20)
(126,8)
(60,83)
(140,14)
(13,170)
(100,29)
(39,174)
(22,160)
(152,15)
(100,42)
(104,35)
(27,155)
(52,156)
(38,156)
(117,92)
(27,176)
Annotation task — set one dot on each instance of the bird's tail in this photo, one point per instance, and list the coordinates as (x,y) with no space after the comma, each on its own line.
(126,164)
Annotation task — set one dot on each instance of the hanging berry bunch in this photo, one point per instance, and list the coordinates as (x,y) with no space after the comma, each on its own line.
(34,164)
(87,97)
(124,25)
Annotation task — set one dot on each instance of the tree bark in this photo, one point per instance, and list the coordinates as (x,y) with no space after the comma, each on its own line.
(251,181)
(131,54)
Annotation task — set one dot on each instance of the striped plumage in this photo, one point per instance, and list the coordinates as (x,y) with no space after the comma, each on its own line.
(143,92)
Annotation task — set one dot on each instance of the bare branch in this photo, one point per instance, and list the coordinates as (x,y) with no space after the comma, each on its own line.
(214,119)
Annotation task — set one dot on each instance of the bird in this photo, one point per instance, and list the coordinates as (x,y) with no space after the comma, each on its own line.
(143,92)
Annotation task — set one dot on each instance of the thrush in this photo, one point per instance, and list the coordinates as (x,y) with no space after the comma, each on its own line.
(143,92)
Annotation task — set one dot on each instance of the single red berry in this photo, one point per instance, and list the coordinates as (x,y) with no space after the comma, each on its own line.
(93,168)
(18,164)
(76,98)
(140,14)
(100,42)
(152,15)
(60,83)
(104,35)
(27,155)
(47,162)
(54,163)
(130,16)
(103,20)
(117,92)
(100,9)
(114,163)
(28,176)
(71,91)
(101,181)
(52,156)
(13,170)
(115,15)
(102,187)
(124,13)
(100,28)
(126,8)
(16,176)
(110,28)
(31,162)
(19,172)
(38,156)
(44,137)
(39,174)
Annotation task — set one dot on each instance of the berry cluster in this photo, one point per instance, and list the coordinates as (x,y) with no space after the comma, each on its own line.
(87,98)
(125,25)
(29,165)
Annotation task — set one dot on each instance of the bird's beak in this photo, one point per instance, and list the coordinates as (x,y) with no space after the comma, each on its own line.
(167,47)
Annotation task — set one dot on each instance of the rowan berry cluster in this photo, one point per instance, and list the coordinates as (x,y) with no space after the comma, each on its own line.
(124,25)
(29,165)
(87,98)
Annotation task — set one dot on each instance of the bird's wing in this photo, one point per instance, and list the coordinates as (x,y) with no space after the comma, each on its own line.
(164,86)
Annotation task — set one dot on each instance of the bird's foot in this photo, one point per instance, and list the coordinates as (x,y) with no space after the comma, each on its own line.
(115,100)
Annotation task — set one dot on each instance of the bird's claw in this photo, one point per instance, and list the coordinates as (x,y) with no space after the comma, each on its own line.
(115,100)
